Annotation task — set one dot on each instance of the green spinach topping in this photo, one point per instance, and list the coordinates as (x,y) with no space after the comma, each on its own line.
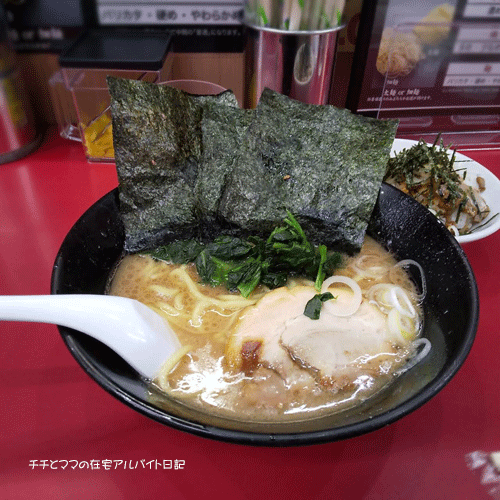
(313,306)
(242,264)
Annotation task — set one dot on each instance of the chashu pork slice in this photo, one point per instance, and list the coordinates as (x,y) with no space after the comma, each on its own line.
(338,350)
(256,338)
(335,350)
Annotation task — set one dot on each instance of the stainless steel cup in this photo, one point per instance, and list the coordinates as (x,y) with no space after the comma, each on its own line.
(298,64)
(18,135)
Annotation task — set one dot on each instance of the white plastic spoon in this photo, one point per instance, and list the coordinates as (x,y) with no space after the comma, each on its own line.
(134,331)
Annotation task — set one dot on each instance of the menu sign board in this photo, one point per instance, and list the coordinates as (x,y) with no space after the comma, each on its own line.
(428,58)
(158,12)
(198,25)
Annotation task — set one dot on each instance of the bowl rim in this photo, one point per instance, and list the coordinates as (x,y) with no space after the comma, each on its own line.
(275,439)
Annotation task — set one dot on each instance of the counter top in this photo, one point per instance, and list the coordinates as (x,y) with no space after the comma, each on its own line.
(63,437)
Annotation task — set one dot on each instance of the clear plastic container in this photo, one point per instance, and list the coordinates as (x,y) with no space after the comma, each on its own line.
(79,90)
(64,109)
(91,101)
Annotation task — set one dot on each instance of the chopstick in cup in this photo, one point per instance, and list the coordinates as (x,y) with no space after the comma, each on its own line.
(295,15)
(264,12)
(331,14)
(257,12)
(294,10)
(285,15)
(278,7)
(311,15)
(250,10)
(282,14)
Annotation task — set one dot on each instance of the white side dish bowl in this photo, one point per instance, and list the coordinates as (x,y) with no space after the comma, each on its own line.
(491,194)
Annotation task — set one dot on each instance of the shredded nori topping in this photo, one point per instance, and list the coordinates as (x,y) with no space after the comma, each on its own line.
(429,166)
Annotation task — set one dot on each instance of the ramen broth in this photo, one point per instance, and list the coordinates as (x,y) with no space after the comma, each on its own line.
(225,368)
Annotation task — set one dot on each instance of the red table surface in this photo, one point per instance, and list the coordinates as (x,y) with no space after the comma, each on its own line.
(58,427)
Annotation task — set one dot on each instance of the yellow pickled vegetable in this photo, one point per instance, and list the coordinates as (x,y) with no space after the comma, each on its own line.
(99,138)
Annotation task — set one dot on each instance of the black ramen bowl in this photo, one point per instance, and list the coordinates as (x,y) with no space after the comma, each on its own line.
(407,229)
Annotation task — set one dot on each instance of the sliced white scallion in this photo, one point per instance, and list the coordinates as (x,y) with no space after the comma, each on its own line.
(424,351)
(401,302)
(380,295)
(423,285)
(401,327)
(363,268)
(388,297)
(341,309)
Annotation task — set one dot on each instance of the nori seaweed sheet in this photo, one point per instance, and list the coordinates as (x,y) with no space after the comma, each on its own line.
(323,164)
(223,129)
(157,137)
(192,166)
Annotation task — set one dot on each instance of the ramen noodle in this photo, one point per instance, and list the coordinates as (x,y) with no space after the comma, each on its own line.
(260,358)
